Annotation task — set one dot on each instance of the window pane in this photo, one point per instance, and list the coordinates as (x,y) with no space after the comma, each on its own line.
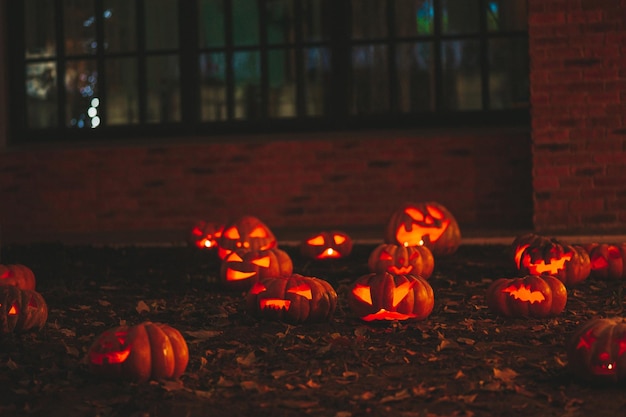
(508,73)
(213,86)
(211,23)
(415,77)
(461,75)
(81,86)
(316,80)
(370,86)
(503,15)
(122,98)
(119,26)
(80,27)
(39,29)
(460,16)
(280,20)
(163,78)
(414,17)
(316,22)
(369,19)
(41,94)
(281,67)
(162,24)
(246,66)
(245,22)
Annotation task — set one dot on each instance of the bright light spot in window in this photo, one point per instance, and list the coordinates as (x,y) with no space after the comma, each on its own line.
(95,102)
(95,122)
(92,112)
(107,13)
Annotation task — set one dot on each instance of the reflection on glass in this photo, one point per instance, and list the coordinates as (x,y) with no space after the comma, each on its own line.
(316,20)
(316,80)
(212,86)
(163,76)
(414,17)
(39,31)
(508,73)
(247,70)
(245,22)
(503,15)
(460,16)
(119,25)
(461,75)
(415,77)
(369,19)
(122,98)
(161,24)
(211,23)
(81,87)
(370,79)
(282,82)
(280,21)
(41,94)
(80,27)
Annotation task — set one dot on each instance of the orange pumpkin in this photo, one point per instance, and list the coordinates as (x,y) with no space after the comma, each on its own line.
(326,245)
(246,233)
(530,296)
(402,260)
(242,268)
(21,310)
(204,235)
(608,260)
(17,275)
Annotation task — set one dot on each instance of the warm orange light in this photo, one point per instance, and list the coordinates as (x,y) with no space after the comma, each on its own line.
(552,267)
(302,290)
(98,358)
(316,241)
(524,293)
(13,311)
(339,239)
(263,262)
(362,292)
(232,275)
(232,233)
(257,288)
(259,232)
(401,291)
(274,304)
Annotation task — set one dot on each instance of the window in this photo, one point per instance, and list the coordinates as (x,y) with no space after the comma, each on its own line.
(120,68)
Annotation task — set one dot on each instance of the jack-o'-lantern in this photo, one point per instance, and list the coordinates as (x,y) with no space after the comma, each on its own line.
(204,235)
(427,223)
(402,260)
(385,296)
(21,310)
(242,268)
(608,260)
(596,350)
(139,353)
(538,255)
(247,233)
(326,245)
(530,296)
(292,299)
(17,275)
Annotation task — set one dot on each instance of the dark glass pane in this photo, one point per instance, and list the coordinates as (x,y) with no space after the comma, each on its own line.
(316,80)
(370,79)
(316,24)
(461,75)
(369,19)
(247,70)
(460,16)
(161,24)
(213,86)
(81,87)
(508,73)
(245,22)
(414,17)
(211,23)
(39,29)
(282,94)
(280,21)
(122,98)
(41,94)
(80,27)
(415,77)
(120,33)
(163,76)
(503,15)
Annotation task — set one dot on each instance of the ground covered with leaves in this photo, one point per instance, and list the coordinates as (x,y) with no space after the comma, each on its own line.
(461,361)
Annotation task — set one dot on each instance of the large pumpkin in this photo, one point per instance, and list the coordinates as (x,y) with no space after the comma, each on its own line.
(21,310)
(608,260)
(247,233)
(326,245)
(293,299)
(242,268)
(530,296)
(426,223)
(596,350)
(17,275)
(204,235)
(385,296)
(402,260)
(139,353)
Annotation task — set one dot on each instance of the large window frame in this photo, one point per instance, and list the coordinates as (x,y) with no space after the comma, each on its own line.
(339,112)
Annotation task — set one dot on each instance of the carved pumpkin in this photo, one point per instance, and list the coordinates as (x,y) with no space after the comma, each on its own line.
(326,245)
(247,233)
(17,275)
(204,235)
(402,260)
(537,255)
(292,299)
(139,353)
(530,296)
(607,260)
(596,350)
(242,268)
(427,223)
(21,310)
(385,296)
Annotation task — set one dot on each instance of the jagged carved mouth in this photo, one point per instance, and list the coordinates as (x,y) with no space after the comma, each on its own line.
(274,304)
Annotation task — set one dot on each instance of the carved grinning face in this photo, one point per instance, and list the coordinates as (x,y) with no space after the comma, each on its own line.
(204,235)
(420,226)
(604,362)
(327,245)
(363,293)
(271,302)
(398,265)
(112,349)
(537,264)
(248,233)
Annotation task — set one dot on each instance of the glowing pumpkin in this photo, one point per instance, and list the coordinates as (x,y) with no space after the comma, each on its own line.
(530,296)
(139,353)
(327,245)
(21,310)
(292,299)
(428,223)
(608,261)
(17,275)
(402,260)
(385,296)
(242,268)
(247,233)
(204,235)
(596,350)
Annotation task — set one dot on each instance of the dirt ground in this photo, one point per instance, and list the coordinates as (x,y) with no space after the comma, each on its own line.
(461,361)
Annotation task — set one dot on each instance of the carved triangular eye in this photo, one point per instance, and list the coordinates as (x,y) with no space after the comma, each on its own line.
(316,241)
(339,239)
(435,212)
(385,256)
(415,214)
(232,233)
(363,293)
(257,288)
(401,291)
(303,290)
(414,255)
(234,257)
(263,262)
(258,232)
(13,311)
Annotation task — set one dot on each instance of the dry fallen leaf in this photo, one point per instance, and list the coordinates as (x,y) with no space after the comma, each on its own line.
(141,307)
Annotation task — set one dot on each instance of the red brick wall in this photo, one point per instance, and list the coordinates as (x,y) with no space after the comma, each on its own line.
(578,101)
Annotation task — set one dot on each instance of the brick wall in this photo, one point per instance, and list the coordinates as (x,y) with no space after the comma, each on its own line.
(578,101)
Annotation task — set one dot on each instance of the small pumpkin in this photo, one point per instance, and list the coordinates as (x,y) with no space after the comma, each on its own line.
(247,233)
(529,296)
(402,260)
(425,223)
(139,353)
(608,260)
(21,310)
(204,234)
(242,268)
(326,245)
(17,275)
(385,296)
(292,299)
(596,350)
